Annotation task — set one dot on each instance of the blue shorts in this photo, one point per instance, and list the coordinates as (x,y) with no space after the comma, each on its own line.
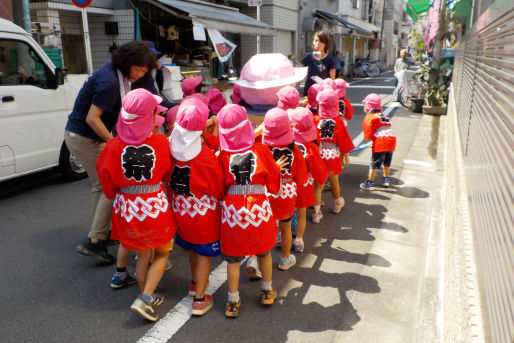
(208,250)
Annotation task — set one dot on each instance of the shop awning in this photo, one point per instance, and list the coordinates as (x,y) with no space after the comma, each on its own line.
(352,27)
(222,18)
(416,8)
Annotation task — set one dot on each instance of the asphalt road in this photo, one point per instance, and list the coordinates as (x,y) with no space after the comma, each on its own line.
(49,293)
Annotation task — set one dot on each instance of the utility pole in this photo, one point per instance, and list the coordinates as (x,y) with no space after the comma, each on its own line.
(381,31)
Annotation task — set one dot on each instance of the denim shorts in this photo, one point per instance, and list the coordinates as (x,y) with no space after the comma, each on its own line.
(237,259)
(208,250)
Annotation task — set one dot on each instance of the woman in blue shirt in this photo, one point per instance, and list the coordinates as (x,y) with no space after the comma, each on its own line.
(319,63)
(89,126)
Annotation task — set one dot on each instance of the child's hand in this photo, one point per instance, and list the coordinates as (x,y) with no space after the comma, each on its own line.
(346,160)
(305,101)
(282,162)
(258,130)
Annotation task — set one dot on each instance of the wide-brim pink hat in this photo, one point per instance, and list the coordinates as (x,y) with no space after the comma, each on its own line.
(312,93)
(328,104)
(185,140)
(340,87)
(288,98)
(235,130)
(189,84)
(136,119)
(304,129)
(328,83)
(172,116)
(216,100)
(277,128)
(372,101)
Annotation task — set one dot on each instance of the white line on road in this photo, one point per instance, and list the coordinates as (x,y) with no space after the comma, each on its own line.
(418,163)
(168,326)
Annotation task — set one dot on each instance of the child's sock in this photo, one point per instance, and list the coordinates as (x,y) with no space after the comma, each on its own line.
(121,272)
(317,208)
(233,297)
(266,286)
(200,299)
(146,297)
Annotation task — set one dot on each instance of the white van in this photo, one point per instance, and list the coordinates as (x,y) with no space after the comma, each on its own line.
(36,99)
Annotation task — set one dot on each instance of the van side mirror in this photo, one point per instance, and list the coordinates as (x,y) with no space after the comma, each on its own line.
(59,75)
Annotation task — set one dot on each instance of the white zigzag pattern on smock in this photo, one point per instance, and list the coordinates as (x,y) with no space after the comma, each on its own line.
(140,208)
(244,217)
(287,190)
(192,205)
(330,153)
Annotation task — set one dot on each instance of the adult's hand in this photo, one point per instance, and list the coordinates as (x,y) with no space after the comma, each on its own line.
(96,124)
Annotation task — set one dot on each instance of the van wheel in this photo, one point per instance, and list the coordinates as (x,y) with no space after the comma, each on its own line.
(69,165)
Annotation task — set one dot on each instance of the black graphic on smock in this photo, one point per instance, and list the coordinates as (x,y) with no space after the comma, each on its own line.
(179,180)
(138,162)
(383,118)
(242,167)
(277,153)
(302,148)
(342,107)
(326,128)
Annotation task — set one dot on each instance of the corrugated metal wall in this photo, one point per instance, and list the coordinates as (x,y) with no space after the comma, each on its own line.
(484,97)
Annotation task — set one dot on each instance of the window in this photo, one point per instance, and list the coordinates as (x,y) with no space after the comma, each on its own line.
(21,65)
(395,28)
(355,3)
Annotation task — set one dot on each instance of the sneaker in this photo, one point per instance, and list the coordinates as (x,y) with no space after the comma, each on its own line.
(338,205)
(370,185)
(385,182)
(157,299)
(118,282)
(199,308)
(252,268)
(298,245)
(168,265)
(144,308)
(286,263)
(98,251)
(316,217)
(268,296)
(232,309)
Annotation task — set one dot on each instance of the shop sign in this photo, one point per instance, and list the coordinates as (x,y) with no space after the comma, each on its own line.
(254,3)
(82,3)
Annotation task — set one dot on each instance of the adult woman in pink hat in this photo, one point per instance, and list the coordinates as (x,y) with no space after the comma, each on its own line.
(278,135)
(131,169)
(196,186)
(305,137)
(336,143)
(247,223)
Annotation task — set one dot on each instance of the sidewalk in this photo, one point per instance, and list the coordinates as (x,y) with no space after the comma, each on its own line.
(410,239)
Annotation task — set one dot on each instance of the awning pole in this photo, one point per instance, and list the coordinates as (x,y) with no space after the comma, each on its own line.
(87,42)
(258,37)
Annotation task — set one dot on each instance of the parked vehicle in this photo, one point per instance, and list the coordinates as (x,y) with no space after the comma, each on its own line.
(362,68)
(36,99)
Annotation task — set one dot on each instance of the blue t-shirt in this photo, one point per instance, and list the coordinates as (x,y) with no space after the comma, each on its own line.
(103,90)
(317,67)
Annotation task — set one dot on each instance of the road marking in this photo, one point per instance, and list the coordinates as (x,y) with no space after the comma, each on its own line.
(418,163)
(373,86)
(168,326)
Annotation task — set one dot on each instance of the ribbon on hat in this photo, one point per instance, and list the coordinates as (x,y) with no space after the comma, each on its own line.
(128,116)
(241,124)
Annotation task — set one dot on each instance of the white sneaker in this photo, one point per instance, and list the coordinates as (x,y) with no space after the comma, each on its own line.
(252,268)
(316,217)
(338,205)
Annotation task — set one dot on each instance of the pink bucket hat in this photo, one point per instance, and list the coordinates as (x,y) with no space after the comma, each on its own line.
(340,87)
(172,116)
(186,141)
(372,101)
(312,93)
(236,94)
(200,97)
(216,100)
(277,128)
(189,84)
(235,130)
(328,83)
(136,119)
(328,104)
(304,129)
(288,98)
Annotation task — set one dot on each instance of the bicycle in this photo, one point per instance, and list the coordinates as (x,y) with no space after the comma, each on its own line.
(412,89)
(364,69)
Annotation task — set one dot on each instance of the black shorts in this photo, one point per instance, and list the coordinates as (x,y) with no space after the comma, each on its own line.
(237,259)
(377,158)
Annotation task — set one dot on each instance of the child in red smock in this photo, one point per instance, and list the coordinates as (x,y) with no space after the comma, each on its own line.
(346,109)
(131,169)
(336,143)
(247,223)
(278,135)
(196,186)
(377,127)
(305,136)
